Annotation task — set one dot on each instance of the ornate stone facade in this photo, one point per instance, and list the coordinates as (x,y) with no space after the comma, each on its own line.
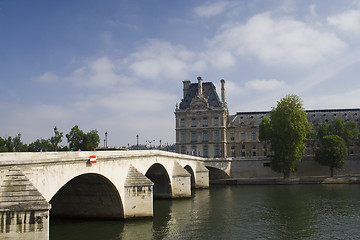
(205,128)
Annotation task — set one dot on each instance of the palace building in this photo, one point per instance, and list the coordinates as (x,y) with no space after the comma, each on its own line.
(205,128)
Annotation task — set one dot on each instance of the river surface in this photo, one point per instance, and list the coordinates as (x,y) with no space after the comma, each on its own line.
(237,212)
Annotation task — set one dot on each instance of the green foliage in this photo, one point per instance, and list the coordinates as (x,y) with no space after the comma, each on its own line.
(337,127)
(92,140)
(55,140)
(15,144)
(350,132)
(287,132)
(78,140)
(323,130)
(347,131)
(332,152)
(3,148)
(265,130)
(41,145)
(75,138)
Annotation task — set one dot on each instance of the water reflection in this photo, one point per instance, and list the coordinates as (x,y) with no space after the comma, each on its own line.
(237,212)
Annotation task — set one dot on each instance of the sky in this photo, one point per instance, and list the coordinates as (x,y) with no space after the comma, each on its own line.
(117,66)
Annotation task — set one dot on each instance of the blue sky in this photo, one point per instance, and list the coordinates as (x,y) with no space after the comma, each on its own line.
(118,66)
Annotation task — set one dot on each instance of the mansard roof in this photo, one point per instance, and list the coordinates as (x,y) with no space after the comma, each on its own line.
(252,119)
(209,92)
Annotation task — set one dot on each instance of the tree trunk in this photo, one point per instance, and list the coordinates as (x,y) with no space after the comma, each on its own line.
(332,172)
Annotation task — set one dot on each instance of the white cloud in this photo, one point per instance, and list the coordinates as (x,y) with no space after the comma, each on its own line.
(161,60)
(212,9)
(283,41)
(347,99)
(348,21)
(47,77)
(101,72)
(264,85)
(136,100)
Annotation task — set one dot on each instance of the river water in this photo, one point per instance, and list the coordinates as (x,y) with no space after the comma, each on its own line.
(237,212)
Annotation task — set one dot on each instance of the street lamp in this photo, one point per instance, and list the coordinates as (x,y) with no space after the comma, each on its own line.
(137,141)
(55,141)
(106,145)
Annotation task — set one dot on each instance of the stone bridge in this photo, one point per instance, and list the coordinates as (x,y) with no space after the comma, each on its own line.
(104,184)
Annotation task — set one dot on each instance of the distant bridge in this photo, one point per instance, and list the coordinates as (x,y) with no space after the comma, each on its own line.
(116,185)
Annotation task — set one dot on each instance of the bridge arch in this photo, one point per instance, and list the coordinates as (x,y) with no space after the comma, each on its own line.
(89,195)
(216,173)
(160,177)
(189,169)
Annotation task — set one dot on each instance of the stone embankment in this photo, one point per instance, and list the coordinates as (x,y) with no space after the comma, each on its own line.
(296,180)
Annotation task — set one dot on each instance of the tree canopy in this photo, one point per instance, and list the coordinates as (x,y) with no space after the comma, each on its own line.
(286,132)
(78,140)
(332,152)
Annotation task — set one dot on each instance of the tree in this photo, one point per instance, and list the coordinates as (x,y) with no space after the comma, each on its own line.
(55,140)
(323,130)
(332,152)
(337,127)
(287,132)
(350,132)
(78,140)
(3,148)
(15,144)
(92,140)
(40,145)
(265,131)
(75,138)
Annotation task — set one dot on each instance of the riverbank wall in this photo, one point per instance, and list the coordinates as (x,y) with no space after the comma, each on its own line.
(257,170)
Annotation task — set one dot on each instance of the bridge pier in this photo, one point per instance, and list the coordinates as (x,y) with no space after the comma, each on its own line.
(201,176)
(138,199)
(24,212)
(181,182)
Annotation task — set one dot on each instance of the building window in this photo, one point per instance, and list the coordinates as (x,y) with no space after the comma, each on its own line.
(182,137)
(216,121)
(205,137)
(243,146)
(254,146)
(217,135)
(233,147)
(232,136)
(193,136)
(253,135)
(217,151)
(243,154)
(233,154)
(254,154)
(205,123)
(193,122)
(206,151)
(182,122)
(242,136)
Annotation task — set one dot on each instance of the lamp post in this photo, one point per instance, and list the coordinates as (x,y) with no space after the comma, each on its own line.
(55,142)
(106,145)
(137,141)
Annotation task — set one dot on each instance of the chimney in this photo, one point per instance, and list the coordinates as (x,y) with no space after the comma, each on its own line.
(223,91)
(186,87)
(200,89)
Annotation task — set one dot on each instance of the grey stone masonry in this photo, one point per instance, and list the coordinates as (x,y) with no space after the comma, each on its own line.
(24,212)
(17,193)
(136,178)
